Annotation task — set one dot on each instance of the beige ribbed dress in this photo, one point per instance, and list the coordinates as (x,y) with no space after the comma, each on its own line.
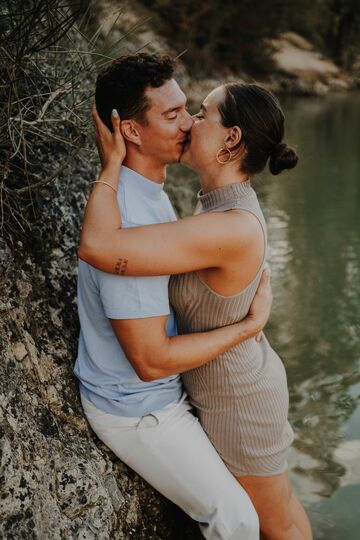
(241,397)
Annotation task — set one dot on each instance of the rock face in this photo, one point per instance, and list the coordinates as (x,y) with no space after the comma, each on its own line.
(57,479)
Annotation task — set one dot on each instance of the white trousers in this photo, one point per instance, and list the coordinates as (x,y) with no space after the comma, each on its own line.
(170,450)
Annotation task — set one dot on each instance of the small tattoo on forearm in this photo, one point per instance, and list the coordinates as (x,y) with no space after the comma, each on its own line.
(120,267)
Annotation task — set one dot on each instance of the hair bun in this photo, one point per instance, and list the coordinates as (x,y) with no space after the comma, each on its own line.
(282,157)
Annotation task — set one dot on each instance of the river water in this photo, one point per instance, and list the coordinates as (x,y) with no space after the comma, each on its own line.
(313,217)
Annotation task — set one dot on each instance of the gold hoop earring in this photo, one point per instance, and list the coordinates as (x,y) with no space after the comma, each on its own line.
(229,156)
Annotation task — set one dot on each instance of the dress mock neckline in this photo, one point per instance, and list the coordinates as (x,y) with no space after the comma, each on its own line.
(225,194)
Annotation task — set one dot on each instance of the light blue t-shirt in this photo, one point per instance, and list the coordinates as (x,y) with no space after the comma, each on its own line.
(107,378)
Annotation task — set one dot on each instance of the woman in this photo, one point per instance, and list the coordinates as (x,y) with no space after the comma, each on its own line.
(241,396)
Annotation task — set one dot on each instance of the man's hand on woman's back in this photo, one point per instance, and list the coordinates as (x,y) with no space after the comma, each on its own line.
(260,308)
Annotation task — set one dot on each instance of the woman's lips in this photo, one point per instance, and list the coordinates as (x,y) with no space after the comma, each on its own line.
(185,143)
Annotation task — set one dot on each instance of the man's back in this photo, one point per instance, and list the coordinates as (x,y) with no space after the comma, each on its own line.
(107,378)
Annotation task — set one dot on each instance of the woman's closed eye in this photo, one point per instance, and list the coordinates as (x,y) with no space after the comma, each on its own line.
(199,115)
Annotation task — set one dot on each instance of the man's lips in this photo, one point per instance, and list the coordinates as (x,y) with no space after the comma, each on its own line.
(184,142)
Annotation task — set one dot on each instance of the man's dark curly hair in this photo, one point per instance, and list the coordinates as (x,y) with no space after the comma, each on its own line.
(123,83)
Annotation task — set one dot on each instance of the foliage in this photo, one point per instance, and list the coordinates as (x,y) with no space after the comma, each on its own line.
(343,34)
(220,33)
(333,25)
(47,72)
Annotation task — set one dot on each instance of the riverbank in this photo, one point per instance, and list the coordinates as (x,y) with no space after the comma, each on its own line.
(299,67)
(300,70)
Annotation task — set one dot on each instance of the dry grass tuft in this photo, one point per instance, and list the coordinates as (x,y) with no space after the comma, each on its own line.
(49,57)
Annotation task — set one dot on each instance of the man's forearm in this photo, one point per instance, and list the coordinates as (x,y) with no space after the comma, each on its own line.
(188,351)
(155,355)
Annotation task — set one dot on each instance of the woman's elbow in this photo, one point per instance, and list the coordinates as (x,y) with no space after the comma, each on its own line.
(88,250)
(84,253)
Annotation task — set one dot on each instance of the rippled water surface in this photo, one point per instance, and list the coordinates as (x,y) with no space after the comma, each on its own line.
(313,216)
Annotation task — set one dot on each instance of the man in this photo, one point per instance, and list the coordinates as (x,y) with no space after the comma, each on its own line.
(132,396)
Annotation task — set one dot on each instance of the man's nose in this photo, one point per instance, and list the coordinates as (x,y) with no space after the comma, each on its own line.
(187,122)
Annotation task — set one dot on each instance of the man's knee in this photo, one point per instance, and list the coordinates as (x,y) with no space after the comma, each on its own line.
(248,528)
(237,511)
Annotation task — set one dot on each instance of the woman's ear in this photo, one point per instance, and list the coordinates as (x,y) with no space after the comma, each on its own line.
(130,132)
(233,137)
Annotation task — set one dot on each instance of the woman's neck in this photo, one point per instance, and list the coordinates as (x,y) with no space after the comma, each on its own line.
(222,176)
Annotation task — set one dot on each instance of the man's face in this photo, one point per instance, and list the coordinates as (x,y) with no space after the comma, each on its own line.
(168,123)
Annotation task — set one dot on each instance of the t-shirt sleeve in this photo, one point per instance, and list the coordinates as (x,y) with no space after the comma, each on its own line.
(128,297)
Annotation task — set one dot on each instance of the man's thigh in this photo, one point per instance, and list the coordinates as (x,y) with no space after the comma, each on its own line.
(170,450)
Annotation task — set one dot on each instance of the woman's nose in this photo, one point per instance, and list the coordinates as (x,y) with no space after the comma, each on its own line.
(187,122)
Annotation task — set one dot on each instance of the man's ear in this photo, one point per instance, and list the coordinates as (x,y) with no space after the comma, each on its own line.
(130,132)
(233,138)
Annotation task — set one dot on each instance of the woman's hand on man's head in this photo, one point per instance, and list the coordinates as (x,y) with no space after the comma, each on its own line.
(111,145)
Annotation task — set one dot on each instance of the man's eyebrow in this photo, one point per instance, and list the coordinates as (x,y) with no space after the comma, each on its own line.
(172,109)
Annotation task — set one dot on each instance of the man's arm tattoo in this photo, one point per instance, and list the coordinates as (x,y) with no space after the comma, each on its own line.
(120,267)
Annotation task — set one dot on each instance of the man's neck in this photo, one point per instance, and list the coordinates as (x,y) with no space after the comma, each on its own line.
(146,166)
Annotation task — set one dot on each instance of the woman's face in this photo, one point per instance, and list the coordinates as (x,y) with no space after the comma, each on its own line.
(207,134)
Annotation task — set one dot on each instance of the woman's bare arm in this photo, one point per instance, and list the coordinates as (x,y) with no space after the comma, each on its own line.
(193,243)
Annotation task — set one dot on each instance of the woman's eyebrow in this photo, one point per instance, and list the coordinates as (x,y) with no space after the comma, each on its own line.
(203,108)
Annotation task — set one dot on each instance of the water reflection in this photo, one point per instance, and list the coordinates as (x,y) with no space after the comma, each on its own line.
(317,295)
(280,250)
(314,251)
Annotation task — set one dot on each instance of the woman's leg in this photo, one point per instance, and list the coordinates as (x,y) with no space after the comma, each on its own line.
(281,515)
(299,514)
